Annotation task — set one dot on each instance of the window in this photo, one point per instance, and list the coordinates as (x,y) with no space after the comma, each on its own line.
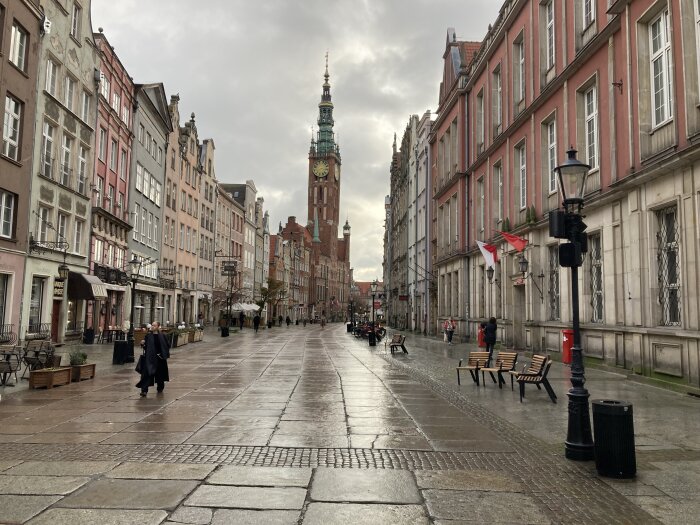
(139,177)
(82,169)
(120,201)
(85,106)
(596,277)
(549,35)
(172,159)
(105,87)
(43,224)
(520,165)
(588,12)
(590,101)
(519,70)
(154,147)
(498,184)
(496,101)
(158,190)
(146,184)
(116,102)
(167,193)
(554,313)
(141,130)
(113,156)
(75,21)
(122,166)
(51,76)
(18,46)
(143,225)
(11,128)
(126,114)
(182,236)
(47,150)
(99,251)
(62,225)
(8,201)
(78,237)
(66,161)
(551,133)
(482,204)
(150,227)
(100,191)
(35,303)
(660,56)
(668,262)
(149,141)
(152,194)
(188,244)
(4,298)
(137,214)
(69,92)
(183,200)
(155,230)
(160,155)
(480,122)
(103,144)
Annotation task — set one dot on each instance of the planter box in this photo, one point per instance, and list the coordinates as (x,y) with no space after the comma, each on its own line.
(80,372)
(190,337)
(182,339)
(197,336)
(49,377)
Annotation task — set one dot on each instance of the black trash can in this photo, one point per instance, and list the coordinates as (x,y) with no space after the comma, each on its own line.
(224,331)
(123,353)
(349,327)
(89,336)
(372,338)
(613,433)
(269,324)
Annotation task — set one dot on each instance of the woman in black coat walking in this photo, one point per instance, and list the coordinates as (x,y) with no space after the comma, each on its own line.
(490,336)
(154,369)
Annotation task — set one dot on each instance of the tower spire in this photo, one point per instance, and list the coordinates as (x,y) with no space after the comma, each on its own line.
(326,139)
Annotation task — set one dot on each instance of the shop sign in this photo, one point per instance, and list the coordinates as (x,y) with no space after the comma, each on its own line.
(58,288)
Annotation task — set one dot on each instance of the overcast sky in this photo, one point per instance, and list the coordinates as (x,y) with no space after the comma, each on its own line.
(252,70)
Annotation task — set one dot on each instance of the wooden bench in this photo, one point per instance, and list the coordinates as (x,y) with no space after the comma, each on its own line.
(475,362)
(504,364)
(536,375)
(398,342)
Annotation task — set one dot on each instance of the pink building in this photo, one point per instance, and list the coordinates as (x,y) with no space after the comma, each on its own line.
(110,217)
(620,82)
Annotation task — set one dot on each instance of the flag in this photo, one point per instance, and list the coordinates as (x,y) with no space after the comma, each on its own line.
(490,253)
(516,242)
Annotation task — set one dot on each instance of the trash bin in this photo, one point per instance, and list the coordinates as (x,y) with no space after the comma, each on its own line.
(123,353)
(89,336)
(372,338)
(269,324)
(566,345)
(349,327)
(613,433)
(224,331)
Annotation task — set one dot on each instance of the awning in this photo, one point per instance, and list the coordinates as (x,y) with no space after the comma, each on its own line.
(115,287)
(82,286)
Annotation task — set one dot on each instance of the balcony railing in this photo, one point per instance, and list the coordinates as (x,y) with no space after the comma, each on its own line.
(38,331)
(7,334)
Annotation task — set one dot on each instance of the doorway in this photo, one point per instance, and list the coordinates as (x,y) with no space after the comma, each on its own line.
(55,314)
(519,316)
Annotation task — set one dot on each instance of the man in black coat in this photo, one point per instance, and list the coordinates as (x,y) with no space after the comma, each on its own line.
(154,369)
(490,332)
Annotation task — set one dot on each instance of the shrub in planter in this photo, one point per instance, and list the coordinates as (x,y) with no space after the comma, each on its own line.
(79,368)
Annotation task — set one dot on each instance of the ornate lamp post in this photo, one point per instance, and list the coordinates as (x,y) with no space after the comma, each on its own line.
(372,336)
(568,224)
(135,267)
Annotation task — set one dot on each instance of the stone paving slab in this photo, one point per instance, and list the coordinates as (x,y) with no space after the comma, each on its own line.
(148,437)
(130,494)
(256,517)
(364,486)
(7,464)
(364,514)
(101,516)
(467,480)
(40,485)
(261,476)
(61,468)
(185,471)
(55,437)
(486,507)
(19,509)
(273,498)
(192,515)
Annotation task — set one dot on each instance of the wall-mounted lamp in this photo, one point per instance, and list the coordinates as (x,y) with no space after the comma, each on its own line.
(523,265)
(489,276)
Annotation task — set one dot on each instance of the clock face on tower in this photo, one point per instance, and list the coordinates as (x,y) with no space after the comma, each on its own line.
(320,168)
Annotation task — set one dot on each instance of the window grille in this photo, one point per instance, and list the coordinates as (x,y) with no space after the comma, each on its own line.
(596,277)
(668,262)
(554,310)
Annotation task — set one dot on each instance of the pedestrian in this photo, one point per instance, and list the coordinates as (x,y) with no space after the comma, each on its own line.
(449,326)
(256,322)
(154,367)
(241,318)
(200,319)
(490,337)
(323,319)
(279,320)
(304,321)
(288,321)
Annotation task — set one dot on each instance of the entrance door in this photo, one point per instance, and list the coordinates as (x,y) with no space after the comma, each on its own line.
(518,316)
(55,312)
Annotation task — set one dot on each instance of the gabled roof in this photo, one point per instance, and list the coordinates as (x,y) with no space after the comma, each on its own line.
(155,96)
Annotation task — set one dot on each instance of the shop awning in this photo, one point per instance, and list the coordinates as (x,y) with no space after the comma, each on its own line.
(82,286)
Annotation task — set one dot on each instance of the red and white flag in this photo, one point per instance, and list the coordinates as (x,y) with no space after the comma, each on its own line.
(516,242)
(490,253)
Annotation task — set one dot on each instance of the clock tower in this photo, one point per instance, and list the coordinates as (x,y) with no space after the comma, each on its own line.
(324,176)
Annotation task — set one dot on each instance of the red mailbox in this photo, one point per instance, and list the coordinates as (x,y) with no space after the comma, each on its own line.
(566,345)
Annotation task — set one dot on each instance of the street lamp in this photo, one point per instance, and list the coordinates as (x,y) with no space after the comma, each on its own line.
(135,266)
(372,336)
(568,224)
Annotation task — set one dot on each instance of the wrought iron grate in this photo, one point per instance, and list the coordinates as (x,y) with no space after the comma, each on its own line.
(554,310)
(668,266)
(595,255)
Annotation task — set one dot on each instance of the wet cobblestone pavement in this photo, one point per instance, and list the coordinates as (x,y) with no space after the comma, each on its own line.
(304,425)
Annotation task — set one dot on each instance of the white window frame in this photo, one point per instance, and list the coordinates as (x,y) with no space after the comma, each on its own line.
(66,160)
(78,237)
(82,168)
(137,215)
(43,224)
(11,130)
(114,151)
(498,178)
(116,101)
(480,122)
(75,21)
(588,7)
(122,165)
(521,166)
(498,100)
(69,92)
(103,144)
(85,106)
(590,115)
(105,86)
(51,77)
(139,177)
(550,39)
(660,55)
(47,150)
(7,214)
(519,73)
(61,227)
(481,195)
(18,46)
(551,132)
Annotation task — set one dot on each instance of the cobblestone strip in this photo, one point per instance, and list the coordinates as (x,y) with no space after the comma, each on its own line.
(571,492)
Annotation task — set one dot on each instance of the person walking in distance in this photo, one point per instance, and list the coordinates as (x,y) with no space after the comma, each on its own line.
(154,369)
(490,337)
(288,321)
(449,325)
(256,322)
(241,318)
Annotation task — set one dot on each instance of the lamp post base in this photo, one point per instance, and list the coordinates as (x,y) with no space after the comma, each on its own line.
(579,439)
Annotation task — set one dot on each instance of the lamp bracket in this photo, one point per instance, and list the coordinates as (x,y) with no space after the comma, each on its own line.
(539,289)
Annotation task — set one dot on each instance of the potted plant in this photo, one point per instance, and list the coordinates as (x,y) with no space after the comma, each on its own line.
(79,366)
(49,377)
(182,335)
